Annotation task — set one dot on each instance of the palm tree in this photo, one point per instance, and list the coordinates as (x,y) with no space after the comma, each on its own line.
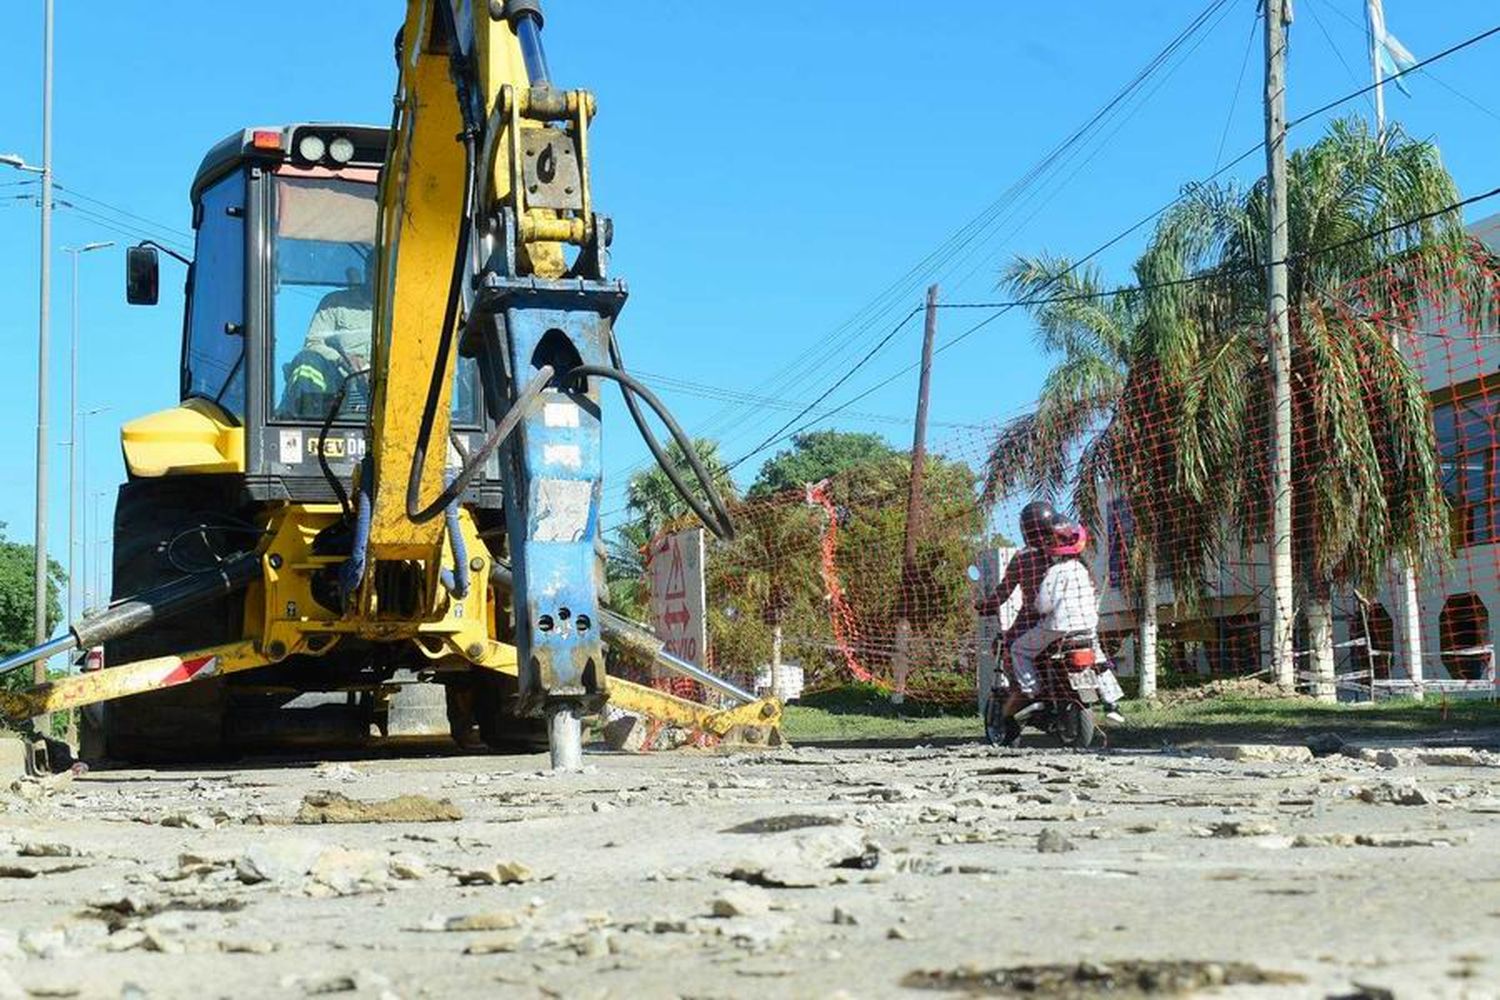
(1086,428)
(1368,233)
(655,503)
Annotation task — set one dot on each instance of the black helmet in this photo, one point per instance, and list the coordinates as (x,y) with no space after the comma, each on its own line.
(1038,518)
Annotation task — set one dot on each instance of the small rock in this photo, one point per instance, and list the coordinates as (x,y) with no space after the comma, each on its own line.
(251,947)
(746,901)
(1258,753)
(897,934)
(191,821)
(1054,841)
(1324,744)
(498,945)
(335,807)
(39,849)
(501,873)
(348,872)
(277,859)
(1242,828)
(844,918)
(1392,793)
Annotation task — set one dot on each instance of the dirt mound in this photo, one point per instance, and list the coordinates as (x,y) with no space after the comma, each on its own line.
(1240,688)
(334,807)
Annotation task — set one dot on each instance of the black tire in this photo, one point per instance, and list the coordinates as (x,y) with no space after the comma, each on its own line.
(184,723)
(1075,726)
(496,711)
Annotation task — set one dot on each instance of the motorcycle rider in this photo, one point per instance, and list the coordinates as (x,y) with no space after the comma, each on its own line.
(1066,604)
(1049,539)
(1025,571)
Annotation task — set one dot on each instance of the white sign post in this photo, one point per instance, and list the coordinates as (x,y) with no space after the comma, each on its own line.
(678,608)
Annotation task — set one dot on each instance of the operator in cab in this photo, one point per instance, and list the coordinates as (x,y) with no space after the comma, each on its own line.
(336,347)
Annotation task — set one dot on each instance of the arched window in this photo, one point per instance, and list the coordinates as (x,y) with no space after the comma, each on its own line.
(1464,635)
(1372,640)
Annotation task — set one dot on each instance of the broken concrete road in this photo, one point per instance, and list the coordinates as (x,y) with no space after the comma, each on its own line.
(808,872)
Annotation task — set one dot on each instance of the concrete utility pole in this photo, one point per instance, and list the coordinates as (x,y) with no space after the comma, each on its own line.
(39,668)
(1278,16)
(914,502)
(1411,607)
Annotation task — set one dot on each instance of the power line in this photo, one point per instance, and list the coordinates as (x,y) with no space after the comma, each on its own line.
(829,391)
(149,223)
(801,369)
(1006,307)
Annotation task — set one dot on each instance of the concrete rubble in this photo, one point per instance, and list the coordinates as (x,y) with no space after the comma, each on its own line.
(804,872)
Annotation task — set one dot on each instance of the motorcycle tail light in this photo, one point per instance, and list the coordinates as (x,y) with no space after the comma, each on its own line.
(1080,659)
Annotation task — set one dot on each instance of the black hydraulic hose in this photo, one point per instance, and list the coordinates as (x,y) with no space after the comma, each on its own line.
(715,516)
(445,349)
(525,400)
(328,418)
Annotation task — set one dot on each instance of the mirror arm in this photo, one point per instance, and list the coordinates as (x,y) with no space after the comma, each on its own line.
(166,250)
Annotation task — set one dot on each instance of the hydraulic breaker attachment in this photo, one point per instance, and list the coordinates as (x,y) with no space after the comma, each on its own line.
(754,721)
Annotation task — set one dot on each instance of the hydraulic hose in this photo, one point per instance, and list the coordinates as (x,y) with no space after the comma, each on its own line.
(523,405)
(715,515)
(456,580)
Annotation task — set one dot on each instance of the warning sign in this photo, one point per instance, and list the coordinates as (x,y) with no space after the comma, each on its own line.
(675,563)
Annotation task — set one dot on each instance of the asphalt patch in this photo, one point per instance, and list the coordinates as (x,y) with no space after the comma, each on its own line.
(1088,980)
(783,824)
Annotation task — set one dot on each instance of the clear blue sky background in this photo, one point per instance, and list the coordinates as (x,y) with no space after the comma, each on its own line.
(771,170)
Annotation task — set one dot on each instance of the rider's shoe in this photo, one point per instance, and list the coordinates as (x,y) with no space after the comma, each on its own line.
(1012,735)
(1112,713)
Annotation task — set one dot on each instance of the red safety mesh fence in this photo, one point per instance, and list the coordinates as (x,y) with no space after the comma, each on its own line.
(1395,496)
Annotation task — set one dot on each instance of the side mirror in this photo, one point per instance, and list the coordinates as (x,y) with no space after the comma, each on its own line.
(973,573)
(142,276)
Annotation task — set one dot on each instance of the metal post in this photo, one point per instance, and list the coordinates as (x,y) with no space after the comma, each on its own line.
(1282,661)
(77,449)
(914,504)
(39,575)
(73,444)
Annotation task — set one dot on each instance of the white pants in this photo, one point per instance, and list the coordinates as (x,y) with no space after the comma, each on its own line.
(1023,653)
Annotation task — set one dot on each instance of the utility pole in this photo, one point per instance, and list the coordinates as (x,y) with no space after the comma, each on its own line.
(1282,661)
(1411,608)
(40,630)
(914,502)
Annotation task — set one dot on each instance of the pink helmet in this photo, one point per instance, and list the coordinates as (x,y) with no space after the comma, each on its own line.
(1068,540)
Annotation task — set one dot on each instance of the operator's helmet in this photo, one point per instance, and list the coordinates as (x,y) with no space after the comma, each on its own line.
(1038,518)
(1067,540)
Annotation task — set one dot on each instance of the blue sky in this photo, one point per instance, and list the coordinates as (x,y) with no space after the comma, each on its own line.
(770,175)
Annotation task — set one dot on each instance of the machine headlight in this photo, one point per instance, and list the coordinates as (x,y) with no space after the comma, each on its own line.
(311,148)
(341,149)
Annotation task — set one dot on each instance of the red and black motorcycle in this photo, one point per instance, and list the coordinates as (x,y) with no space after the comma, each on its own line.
(1068,688)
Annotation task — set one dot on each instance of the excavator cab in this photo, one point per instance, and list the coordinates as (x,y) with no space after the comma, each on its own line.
(278,319)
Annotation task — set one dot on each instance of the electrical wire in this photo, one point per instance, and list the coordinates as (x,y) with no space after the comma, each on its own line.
(801,368)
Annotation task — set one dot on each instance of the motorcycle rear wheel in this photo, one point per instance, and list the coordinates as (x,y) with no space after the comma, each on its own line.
(1075,726)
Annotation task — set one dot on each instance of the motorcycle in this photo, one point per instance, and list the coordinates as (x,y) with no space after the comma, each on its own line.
(1062,708)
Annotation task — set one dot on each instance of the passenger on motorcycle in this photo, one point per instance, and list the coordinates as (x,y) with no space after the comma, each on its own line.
(1066,604)
(1025,571)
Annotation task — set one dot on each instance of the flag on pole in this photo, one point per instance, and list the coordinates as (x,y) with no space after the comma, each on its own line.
(1391,57)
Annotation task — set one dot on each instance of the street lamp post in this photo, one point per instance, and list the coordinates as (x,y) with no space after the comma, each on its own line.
(82,495)
(39,668)
(74,448)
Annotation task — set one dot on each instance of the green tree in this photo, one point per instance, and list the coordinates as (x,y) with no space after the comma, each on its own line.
(654,502)
(816,455)
(18,605)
